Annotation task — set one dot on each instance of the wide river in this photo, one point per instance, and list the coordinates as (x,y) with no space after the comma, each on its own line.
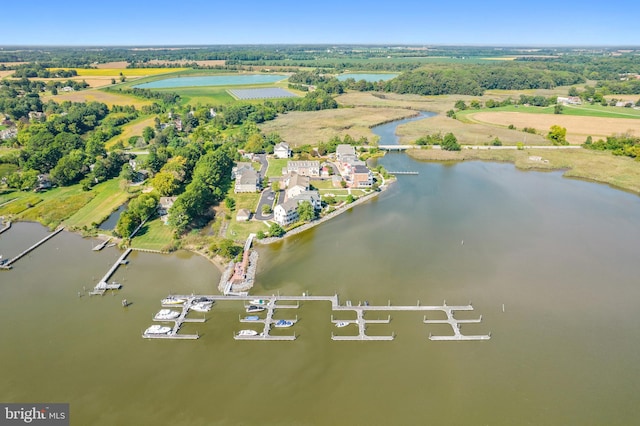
(550,263)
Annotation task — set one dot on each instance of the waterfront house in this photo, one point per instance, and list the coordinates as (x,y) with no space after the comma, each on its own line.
(304,168)
(282,150)
(312,197)
(361,177)
(286,213)
(164,204)
(345,153)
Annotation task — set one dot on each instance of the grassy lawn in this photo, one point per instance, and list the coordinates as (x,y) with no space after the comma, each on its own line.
(22,202)
(54,210)
(275,166)
(245,200)
(109,196)
(239,231)
(7,169)
(133,128)
(154,235)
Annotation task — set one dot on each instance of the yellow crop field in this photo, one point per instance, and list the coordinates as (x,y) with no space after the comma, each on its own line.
(578,128)
(128,72)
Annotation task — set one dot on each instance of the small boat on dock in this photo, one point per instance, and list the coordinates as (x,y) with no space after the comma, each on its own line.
(248,333)
(172,300)
(251,318)
(283,323)
(342,324)
(157,329)
(254,308)
(166,315)
(259,302)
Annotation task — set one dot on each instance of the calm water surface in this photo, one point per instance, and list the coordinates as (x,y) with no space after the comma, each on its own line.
(214,80)
(560,254)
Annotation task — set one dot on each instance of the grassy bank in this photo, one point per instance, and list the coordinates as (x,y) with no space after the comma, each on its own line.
(603,167)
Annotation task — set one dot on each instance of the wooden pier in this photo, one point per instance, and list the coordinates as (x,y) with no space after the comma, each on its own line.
(403,173)
(6,227)
(102,245)
(103,285)
(7,265)
(271,303)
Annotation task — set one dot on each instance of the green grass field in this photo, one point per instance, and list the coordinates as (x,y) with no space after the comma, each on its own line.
(109,196)
(275,166)
(154,235)
(578,110)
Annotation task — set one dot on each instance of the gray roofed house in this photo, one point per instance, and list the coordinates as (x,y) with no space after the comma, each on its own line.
(282,150)
(305,168)
(247,181)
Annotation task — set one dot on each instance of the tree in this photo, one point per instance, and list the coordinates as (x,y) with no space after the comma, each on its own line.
(230,203)
(276,230)
(306,212)
(451,114)
(266,209)
(127,223)
(460,105)
(143,206)
(350,199)
(450,143)
(558,109)
(558,135)
(148,133)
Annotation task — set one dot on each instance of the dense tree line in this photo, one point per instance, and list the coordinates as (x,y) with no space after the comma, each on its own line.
(475,79)
(619,145)
(168,98)
(41,71)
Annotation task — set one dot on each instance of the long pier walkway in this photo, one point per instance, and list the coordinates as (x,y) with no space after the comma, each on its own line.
(102,285)
(5,227)
(273,302)
(102,245)
(8,263)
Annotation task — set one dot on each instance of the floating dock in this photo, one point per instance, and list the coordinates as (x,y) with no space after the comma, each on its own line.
(6,227)
(271,303)
(7,265)
(103,285)
(177,322)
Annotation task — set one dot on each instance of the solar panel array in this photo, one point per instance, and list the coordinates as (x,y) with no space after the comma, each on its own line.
(267,93)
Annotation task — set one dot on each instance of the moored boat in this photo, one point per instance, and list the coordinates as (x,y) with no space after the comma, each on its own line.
(251,318)
(342,324)
(172,300)
(248,333)
(166,314)
(157,329)
(283,323)
(259,302)
(201,307)
(254,308)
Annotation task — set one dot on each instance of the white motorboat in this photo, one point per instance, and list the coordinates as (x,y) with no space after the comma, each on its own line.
(254,308)
(259,302)
(172,300)
(342,324)
(201,307)
(157,329)
(166,314)
(283,323)
(252,318)
(248,333)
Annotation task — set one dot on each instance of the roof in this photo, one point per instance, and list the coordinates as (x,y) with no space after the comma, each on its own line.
(291,164)
(281,145)
(360,169)
(344,149)
(298,180)
(248,177)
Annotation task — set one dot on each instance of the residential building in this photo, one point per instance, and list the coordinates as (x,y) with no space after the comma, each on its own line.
(361,177)
(296,184)
(313,197)
(282,150)
(164,204)
(247,181)
(304,168)
(239,168)
(345,152)
(286,213)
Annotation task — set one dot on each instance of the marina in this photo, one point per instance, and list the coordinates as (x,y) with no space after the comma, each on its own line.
(269,304)
(101,288)
(7,265)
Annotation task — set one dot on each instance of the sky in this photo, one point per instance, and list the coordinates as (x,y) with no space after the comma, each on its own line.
(425,22)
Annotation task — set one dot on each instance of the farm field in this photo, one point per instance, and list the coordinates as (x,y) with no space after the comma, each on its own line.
(95,95)
(578,128)
(577,110)
(299,128)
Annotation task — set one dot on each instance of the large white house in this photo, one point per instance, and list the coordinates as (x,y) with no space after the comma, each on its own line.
(247,181)
(282,150)
(296,184)
(286,213)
